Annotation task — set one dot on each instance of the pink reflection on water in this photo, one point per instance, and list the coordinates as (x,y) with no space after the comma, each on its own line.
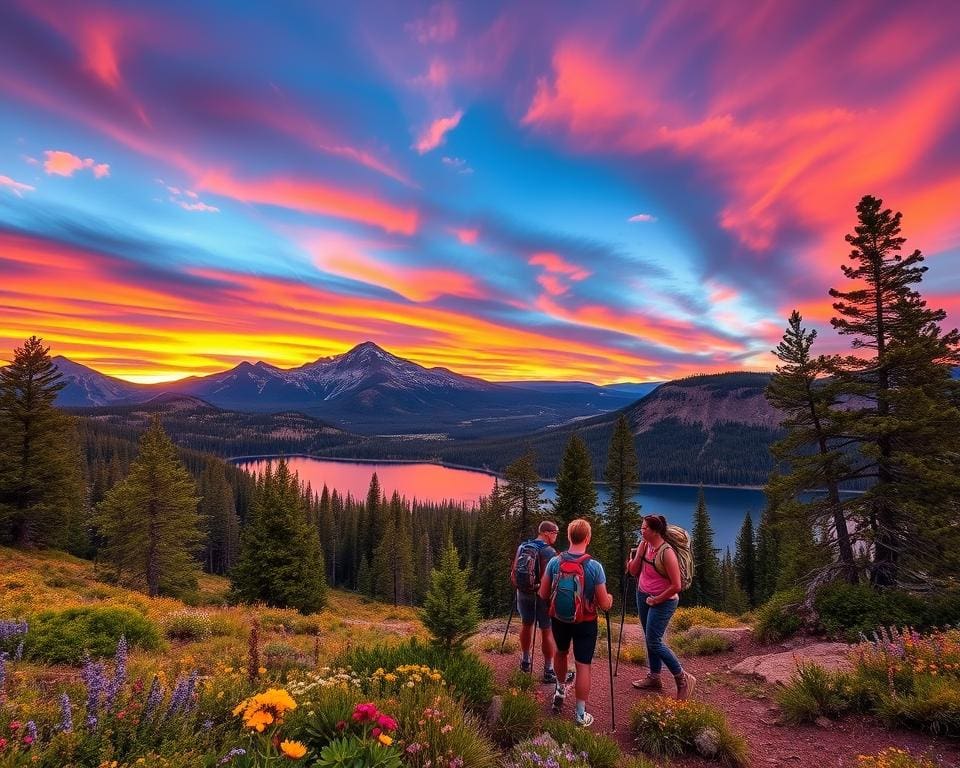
(426,482)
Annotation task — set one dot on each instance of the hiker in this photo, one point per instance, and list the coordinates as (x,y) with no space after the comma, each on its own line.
(528,566)
(576,587)
(659,582)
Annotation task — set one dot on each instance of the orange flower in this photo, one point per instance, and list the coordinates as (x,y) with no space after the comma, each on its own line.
(293,749)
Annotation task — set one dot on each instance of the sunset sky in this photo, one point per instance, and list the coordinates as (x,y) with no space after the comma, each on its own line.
(596,191)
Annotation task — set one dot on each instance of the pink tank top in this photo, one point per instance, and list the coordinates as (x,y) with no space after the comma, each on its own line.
(650,581)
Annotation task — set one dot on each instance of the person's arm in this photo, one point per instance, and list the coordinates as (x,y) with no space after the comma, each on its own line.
(672,566)
(602,598)
(544,591)
(636,562)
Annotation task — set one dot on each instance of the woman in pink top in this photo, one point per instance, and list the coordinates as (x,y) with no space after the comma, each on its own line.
(658,586)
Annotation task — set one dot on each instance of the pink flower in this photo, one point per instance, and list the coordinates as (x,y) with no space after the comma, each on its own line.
(364,712)
(375,733)
(387,723)
(3,743)
(341,725)
(28,740)
(15,725)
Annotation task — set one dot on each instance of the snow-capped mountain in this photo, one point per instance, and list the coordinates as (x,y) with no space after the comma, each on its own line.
(86,387)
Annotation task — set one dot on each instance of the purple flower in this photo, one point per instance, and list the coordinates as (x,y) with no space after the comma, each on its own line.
(3,670)
(66,714)
(95,680)
(153,699)
(31,731)
(18,654)
(178,698)
(10,629)
(235,752)
(119,673)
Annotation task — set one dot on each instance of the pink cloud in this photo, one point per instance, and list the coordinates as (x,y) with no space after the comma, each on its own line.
(465,235)
(17,187)
(554,263)
(434,135)
(642,218)
(66,164)
(436,76)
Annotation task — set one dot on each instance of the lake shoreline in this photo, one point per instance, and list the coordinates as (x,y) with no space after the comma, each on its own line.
(263,457)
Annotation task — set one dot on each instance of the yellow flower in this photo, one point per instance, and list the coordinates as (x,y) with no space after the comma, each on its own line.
(385,740)
(262,670)
(258,719)
(293,749)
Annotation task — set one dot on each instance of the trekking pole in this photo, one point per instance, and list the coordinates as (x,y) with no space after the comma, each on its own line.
(513,606)
(533,637)
(613,717)
(623,616)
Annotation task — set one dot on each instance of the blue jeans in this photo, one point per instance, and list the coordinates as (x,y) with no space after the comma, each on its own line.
(654,620)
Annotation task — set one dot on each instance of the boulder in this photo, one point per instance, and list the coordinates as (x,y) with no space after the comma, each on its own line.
(778,668)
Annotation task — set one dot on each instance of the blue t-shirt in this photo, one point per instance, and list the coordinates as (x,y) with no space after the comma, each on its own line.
(592,575)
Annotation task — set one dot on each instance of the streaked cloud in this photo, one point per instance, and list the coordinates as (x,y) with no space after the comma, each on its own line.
(433,136)
(641,218)
(16,187)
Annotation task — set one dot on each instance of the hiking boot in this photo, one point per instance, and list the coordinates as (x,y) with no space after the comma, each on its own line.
(549,677)
(526,666)
(648,683)
(686,683)
(585,721)
(559,696)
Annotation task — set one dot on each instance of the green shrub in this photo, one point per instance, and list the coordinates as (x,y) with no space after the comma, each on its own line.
(602,751)
(65,637)
(933,707)
(521,681)
(518,719)
(344,753)
(778,618)
(700,616)
(814,692)
(634,653)
(667,728)
(493,645)
(464,672)
(700,643)
(846,610)
(188,625)
(283,657)
(893,757)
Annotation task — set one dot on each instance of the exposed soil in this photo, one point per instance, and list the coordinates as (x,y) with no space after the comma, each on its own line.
(750,709)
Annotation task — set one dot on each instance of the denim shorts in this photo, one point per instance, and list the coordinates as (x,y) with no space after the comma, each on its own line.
(533,610)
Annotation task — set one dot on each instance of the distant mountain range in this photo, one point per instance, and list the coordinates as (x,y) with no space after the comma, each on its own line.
(368,390)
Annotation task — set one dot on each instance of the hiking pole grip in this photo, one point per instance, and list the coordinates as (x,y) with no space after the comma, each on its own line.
(613,716)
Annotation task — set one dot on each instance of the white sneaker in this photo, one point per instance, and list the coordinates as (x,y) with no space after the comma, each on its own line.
(559,696)
(584,722)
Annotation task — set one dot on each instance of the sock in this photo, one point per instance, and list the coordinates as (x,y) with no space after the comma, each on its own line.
(561,688)
(549,666)
(581,708)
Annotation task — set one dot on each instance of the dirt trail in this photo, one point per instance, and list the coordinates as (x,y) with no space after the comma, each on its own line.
(750,710)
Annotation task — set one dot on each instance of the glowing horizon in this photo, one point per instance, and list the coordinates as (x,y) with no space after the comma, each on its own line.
(621,193)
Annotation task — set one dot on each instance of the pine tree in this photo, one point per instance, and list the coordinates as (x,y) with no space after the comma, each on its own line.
(768,558)
(218,514)
(800,554)
(451,609)
(393,558)
(281,562)
(523,496)
(576,496)
(907,425)
(734,600)
(705,589)
(623,518)
(813,446)
(491,570)
(149,521)
(745,560)
(41,484)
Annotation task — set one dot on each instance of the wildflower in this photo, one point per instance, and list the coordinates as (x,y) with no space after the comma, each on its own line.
(66,714)
(293,749)
(153,698)
(15,725)
(384,739)
(119,673)
(235,752)
(95,681)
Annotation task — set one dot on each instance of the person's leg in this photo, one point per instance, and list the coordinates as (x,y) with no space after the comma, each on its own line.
(584,646)
(657,621)
(526,610)
(547,646)
(561,638)
(654,663)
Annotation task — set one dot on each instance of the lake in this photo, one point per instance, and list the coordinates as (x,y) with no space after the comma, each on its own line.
(433,482)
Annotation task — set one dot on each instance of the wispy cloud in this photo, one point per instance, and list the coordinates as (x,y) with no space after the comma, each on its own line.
(62,163)
(17,187)
(434,135)
(438,26)
(642,218)
(458,164)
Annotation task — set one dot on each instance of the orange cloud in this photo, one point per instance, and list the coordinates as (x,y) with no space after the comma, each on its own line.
(434,134)
(66,164)
(313,197)
(552,262)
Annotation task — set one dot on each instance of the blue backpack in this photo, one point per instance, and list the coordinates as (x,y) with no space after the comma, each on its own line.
(525,573)
(568,600)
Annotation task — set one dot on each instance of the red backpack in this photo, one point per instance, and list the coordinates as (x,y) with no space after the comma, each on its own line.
(568,601)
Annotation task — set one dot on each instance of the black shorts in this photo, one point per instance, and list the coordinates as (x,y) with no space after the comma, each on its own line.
(583,635)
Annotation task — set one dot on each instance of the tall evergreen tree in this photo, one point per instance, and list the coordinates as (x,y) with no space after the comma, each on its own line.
(218,515)
(41,485)
(281,562)
(491,569)
(706,588)
(451,609)
(149,522)
(623,518)
(393,558)
(813,448)
(522,495)
(733,599)
(768,558)
(907,426)
(745,559)
(576,495)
